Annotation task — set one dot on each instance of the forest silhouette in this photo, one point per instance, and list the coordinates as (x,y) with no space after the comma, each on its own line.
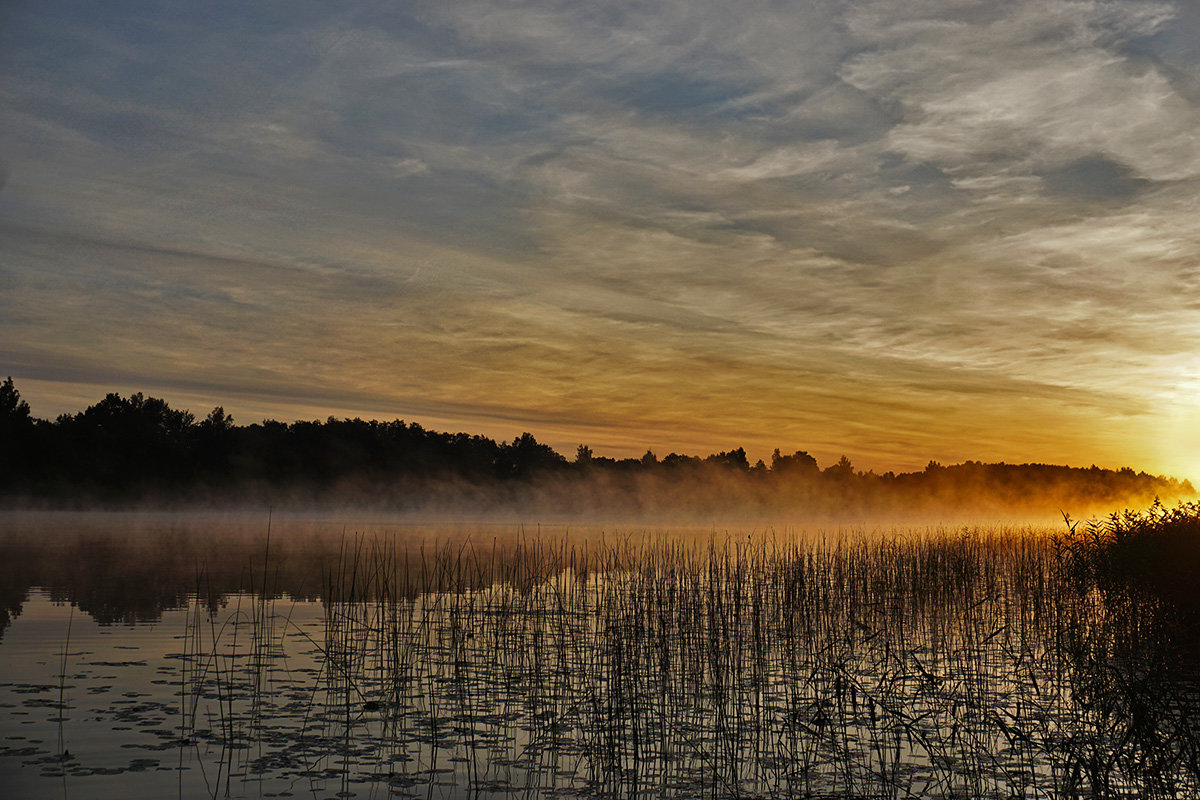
(136,450)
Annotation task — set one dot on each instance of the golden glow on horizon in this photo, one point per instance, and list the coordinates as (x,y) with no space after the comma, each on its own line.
(990,432)
(699,240)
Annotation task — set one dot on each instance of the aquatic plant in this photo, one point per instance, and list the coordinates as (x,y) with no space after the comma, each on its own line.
(982,663)
(1155,551)
(956,664)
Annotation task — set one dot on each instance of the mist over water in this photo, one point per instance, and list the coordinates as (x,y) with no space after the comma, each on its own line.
(128,566)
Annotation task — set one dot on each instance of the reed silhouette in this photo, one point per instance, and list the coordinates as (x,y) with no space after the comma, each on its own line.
(970,663)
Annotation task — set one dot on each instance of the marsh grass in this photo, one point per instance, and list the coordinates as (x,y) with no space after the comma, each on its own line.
(1140,567)
(1154,552)
(953,664)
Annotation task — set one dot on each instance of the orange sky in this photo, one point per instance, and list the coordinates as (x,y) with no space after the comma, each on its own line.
(897,231)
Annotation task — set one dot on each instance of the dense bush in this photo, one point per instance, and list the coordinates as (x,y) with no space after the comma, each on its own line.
(1156,551)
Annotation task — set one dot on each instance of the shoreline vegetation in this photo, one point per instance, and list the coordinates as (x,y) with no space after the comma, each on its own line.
(137,451)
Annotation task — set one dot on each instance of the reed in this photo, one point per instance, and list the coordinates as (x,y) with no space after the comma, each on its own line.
(1156,551)
(968,663)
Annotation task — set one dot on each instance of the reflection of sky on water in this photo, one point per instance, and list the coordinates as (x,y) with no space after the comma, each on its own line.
(125,689)
(940,669)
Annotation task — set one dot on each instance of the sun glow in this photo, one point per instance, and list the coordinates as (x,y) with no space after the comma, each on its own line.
(1179,449)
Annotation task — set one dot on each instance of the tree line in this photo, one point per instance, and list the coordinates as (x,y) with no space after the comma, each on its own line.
(125,450)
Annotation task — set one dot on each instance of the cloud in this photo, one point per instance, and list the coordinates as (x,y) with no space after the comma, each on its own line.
(865,221)
(1039,83)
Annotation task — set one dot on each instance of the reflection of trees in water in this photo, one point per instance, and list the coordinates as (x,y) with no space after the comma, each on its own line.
(133,576)
(16,578)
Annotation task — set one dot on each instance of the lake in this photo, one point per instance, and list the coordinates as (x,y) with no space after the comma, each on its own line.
(219,655)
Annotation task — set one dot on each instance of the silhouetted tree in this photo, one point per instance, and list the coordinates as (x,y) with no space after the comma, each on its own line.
(217,420)
(13,410)
(675,460)
(842,470)
(735,459)
(16,430)
(526,456)
(126,445)
(798,463)
(214,442)
(126,449)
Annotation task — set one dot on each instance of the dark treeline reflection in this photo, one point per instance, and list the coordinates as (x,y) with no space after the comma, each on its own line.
(130,567)
(129,450)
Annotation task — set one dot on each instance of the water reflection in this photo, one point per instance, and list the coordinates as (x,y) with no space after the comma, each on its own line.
(453,663)
(131,567)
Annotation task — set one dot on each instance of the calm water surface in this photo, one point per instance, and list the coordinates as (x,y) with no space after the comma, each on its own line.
(186,655)
(96,711)
(196,656)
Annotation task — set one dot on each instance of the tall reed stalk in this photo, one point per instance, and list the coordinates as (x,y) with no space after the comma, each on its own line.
(940,664)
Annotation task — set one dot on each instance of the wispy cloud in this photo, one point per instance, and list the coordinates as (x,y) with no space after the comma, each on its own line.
(945,228)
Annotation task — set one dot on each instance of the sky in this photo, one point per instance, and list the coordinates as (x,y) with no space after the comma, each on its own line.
(900,231)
